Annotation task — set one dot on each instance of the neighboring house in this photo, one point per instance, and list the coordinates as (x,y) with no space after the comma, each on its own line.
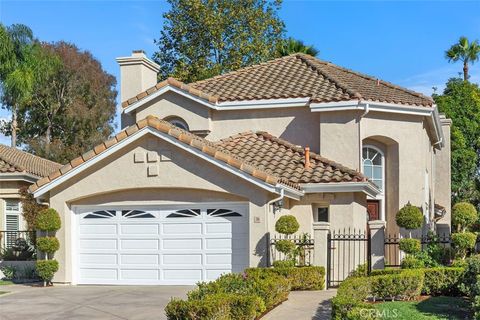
(18,169)
(193,185)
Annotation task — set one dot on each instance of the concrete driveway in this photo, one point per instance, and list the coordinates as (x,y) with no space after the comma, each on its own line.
(87,302)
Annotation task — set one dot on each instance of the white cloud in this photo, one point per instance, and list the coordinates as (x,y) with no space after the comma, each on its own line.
(424,82)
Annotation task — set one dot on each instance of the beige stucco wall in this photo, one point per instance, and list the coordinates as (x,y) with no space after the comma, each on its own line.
(443,184)
(182,178)
(195,115)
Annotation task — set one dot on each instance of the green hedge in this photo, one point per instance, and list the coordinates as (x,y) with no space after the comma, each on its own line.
(301,278)
(350,298)
(216,306)
(442,281)
(232,296)
(402,286)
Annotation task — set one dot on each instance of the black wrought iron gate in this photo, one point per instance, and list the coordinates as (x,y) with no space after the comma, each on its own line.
(347,250)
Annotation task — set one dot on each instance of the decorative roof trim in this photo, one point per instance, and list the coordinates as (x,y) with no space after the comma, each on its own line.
(366,187)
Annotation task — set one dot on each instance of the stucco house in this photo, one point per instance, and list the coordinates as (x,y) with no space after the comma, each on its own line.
(193,184)
(18,170)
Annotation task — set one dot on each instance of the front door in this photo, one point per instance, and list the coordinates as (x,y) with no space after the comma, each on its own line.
(373,209)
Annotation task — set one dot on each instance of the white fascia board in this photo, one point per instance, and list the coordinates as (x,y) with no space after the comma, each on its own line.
(163,90)
(290,192)
(230,105)
(239,173)
(336,187)
(335,106)
(18,177)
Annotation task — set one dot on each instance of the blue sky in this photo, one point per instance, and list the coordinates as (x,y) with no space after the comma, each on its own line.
(398,41)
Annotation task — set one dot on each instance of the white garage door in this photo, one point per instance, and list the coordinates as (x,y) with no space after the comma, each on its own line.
(177,245)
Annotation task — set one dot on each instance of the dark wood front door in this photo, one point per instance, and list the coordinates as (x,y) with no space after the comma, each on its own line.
(373,209)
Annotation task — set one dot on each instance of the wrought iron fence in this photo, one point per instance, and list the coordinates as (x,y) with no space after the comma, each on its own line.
(304,249)
(17,240)
(347,250)
(394,256)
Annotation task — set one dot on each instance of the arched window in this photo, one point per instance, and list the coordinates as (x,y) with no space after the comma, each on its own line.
(178,122)
(373,165)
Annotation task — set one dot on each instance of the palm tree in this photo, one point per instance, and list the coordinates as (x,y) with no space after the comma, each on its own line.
(15,76)
(291,45)
(465,51)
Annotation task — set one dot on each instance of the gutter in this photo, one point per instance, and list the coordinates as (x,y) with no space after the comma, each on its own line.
(339,187)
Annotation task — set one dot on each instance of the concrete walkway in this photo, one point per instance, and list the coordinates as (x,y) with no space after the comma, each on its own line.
(304,305)
(87,302)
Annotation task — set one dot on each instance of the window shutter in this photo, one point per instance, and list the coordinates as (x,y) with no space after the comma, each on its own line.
(12,222)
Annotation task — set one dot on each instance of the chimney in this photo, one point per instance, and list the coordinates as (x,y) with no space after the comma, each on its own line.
(137,74)
(307,157)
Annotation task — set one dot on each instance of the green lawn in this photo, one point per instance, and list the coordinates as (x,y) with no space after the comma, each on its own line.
(5,282)
(433,308)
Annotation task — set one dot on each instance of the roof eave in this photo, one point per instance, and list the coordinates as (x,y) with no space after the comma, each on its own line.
(18,176)
(341,187)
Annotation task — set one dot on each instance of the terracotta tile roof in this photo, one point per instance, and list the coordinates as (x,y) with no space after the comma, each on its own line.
(183,136)
(285,160)
(294,76)
(260,154)
(14,160)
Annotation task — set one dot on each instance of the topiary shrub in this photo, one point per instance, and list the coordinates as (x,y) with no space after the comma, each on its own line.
(46,269)
(412,262)
(48,220)
(464,215)
(48,244)
(463,242)
(409,217)
(402,286)
(287,225)
(410,246)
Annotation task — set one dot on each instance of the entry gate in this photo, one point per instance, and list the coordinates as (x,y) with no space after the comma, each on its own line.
(347,250)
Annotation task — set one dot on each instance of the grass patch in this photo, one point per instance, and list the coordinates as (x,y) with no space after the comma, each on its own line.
(432,308)
(5,282)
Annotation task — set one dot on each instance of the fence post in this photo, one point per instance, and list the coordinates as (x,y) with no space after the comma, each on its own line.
(320,249)
(377,244)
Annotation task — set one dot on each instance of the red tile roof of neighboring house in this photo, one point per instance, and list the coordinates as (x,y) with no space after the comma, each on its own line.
(295,76)
(263,156)
(14,160)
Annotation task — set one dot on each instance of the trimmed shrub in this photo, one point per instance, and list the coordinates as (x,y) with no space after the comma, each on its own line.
(381,272)
(409,217)
(48,220)
(402,286)
(48,244)
(284,263)
(464,215)
(206,309)
(351,296)
(410,246)
(46,269)
(360,271)
(472,270)
(412,262)
(463,242)
(285,246)
(442,281)
(300,278)
(271,288)
(287,224)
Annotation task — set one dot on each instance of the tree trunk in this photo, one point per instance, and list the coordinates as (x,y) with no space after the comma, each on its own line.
(465,71)
(14,127)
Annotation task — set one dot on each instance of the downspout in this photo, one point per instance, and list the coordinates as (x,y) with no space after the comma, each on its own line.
(270,203)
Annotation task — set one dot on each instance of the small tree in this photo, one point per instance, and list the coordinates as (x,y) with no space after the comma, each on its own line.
(464,215)
(409,217)
(48,222)
(286,225)
(30,208)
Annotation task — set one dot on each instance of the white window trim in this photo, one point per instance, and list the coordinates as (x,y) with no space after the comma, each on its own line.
(380,196)
(18,213)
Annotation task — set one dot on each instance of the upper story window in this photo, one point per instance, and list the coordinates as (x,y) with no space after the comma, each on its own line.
(373,165)
(13,214)
(178,122)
